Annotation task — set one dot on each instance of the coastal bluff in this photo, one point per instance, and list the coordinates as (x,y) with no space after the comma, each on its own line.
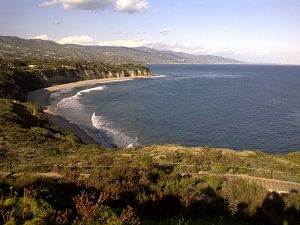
(18,77)
(68,75)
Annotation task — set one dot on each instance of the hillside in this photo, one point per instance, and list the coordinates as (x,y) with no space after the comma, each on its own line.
(160,184)
(14,47)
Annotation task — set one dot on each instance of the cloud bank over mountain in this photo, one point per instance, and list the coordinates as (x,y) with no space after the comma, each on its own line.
(79,40)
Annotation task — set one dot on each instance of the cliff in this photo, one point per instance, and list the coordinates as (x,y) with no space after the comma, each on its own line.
(74,74)
(19,77)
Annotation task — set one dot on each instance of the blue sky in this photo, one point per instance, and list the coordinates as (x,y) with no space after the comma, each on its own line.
(251,30)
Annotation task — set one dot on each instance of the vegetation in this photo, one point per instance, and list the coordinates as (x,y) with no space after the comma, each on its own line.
(47,176)
(13,47)
(170,199)
(127,186)
(17,77)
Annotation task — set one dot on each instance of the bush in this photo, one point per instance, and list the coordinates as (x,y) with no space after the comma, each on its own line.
(29,210)
(243,197)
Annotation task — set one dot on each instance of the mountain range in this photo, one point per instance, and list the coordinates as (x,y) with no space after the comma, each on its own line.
(14,47)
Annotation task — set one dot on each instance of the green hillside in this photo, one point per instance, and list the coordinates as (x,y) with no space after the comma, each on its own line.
(14,47)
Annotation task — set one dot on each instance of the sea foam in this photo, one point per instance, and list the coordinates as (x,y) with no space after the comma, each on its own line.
(57,94)
(100,88)
(158,76)
(101,130)
(73,101)
(117,138)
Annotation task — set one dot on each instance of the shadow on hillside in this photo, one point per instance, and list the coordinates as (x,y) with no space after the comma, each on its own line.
(273,211)
(209,204)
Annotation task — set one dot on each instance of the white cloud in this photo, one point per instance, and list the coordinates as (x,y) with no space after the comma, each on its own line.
(121,33)
(164,31)
(168,46)
(130,33)
(79,40)
(176,46)
(125,43)
(48,3)
(79,4)
(131,6)
(160,45)
(41,37)
(140,32)
(127,6)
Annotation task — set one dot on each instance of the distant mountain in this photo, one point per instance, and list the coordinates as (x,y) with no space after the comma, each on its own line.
(15,47)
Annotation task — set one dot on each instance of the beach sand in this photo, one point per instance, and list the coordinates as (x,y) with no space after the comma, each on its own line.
(41,98)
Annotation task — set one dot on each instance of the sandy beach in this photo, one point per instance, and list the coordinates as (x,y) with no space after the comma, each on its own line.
(41,98)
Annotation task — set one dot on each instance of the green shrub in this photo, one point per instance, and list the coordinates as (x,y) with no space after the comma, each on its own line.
(40,208)
(36,221)
(40,131)
(213,182)
(238,192)
(7,203)
(105,216)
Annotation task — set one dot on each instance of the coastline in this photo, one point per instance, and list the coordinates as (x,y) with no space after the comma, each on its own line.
(41,98)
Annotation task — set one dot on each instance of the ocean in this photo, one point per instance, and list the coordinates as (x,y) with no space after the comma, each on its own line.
(232,106)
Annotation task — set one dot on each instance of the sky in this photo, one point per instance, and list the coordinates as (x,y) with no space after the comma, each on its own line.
(259,31)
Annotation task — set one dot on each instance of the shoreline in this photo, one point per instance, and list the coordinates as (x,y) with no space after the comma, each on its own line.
(41,98)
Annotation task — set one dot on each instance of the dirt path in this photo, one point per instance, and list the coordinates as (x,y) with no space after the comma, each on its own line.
(270,184)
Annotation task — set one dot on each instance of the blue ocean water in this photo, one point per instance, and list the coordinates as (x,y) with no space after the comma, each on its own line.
(234,106)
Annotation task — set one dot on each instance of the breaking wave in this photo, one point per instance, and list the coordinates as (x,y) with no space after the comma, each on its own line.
(158,76)
(100,88)
(73,101)
(100,130)
(59,93)
(117,138)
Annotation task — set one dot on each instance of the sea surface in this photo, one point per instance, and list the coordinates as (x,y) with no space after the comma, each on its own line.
(233,106)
